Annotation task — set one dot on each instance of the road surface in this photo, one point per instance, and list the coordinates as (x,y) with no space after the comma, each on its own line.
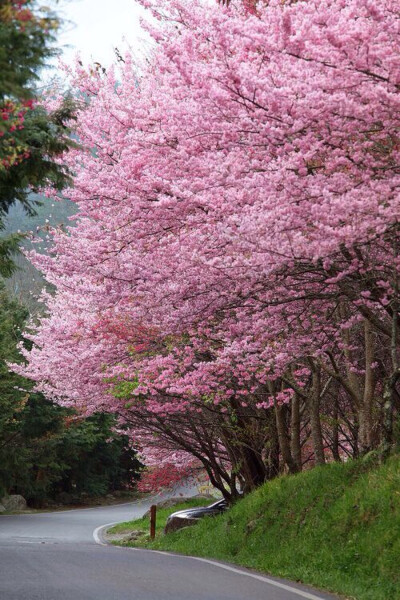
(60,556)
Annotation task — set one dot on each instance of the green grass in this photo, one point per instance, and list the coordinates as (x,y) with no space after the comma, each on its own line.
(335,527)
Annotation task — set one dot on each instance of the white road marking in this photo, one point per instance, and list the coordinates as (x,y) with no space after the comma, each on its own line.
(262,578)
(283,586)
(96,533)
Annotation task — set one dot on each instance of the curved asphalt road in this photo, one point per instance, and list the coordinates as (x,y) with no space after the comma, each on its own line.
(60,556)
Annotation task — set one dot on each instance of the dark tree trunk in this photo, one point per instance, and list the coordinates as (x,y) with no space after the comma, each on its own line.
(315,418)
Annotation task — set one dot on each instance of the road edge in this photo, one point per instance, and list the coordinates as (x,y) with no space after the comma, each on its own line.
(97,534)
(101,541)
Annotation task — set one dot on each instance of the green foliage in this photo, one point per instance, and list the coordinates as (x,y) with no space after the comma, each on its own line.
(47,452)
(67,459)
(335,527)
(45,136)
(31,138)
(12,397)
(33,456)
(25,46)
(124,389)
(51,455)
(99,459)
(9,247)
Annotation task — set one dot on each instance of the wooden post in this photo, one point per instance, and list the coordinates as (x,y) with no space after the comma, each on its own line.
(153,511)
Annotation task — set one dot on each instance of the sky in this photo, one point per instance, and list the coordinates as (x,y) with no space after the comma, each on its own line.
(95,27)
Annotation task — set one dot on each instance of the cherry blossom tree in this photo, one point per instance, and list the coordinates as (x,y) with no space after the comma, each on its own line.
(231,284)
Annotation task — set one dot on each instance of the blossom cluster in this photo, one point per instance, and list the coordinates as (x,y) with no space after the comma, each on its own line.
(236,240)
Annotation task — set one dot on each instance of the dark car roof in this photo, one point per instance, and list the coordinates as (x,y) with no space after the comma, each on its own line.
(200,510)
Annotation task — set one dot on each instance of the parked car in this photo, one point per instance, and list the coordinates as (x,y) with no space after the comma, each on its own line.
(189,516)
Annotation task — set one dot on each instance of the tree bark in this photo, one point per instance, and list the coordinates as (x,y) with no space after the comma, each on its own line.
(390,382)
(283,437)
(365,415)
(335,425)
(295,446)
(315,419)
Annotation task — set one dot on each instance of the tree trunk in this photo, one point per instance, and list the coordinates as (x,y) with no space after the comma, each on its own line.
(295,446)
(388,410)
(335,426)
(390,382)
(315,420)
(271,450)
(283,437)
(252,468)
(365,414)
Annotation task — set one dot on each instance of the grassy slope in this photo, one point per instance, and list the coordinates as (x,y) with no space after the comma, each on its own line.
(336,527)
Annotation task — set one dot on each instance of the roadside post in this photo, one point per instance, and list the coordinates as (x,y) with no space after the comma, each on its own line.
(153,512)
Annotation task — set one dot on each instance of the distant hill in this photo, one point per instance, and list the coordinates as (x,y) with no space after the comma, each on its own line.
(27,283)
(53,211)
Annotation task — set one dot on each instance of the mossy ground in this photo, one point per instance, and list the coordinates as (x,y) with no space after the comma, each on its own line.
(336,527)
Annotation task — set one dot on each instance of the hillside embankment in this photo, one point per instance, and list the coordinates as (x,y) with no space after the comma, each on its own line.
(336,527)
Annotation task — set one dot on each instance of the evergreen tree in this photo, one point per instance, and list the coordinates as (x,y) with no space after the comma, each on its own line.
(31,138)
(12,395)
(47,452)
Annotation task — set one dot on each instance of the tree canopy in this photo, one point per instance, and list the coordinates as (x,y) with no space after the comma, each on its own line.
(231,287)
